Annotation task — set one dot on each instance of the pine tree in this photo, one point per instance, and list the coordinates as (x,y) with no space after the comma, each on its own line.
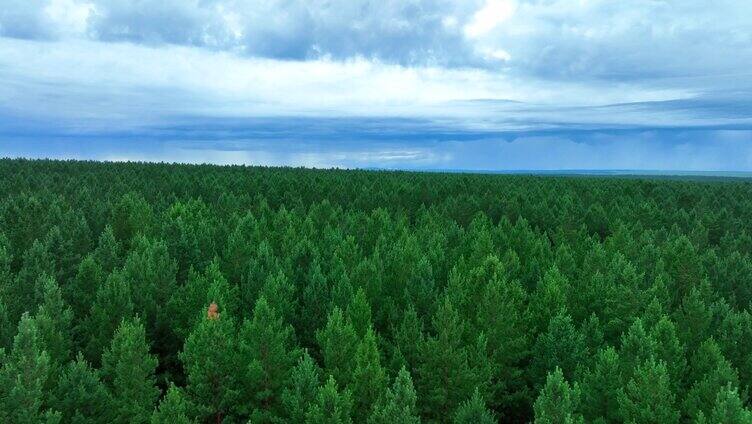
(600,385)
(188,304)
(173,409)
(266,344)
(558,403)
(331,406)
(210,361)
(548,300)
(23,378)
(359,313)
(669,349)
(131,215)
(445,377)
(398,404)
(302,389)
(637,346)
(280,295)
(338,344)
(647,398)
(80,396)
(369,379)
(710,372)
(108,251)
(150,272)
(54,324)
(82,289)
(473,411)
(112,305)
(729,408)
(500,316)
(128,368)
(26,293)
(562,346)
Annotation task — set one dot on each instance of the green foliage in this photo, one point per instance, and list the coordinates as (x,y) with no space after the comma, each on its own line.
(647,397)
(473,411)
(338,343)
(286,295)
(600,386)
(112,305)
(23,377)
(266,345)
(173,408)
(369,379)
(210,360)
(302,389)
(561,346)
(729,408)
(330,406)
(558,402)
(445,374)
(80,396)
(397,406)
(128,369)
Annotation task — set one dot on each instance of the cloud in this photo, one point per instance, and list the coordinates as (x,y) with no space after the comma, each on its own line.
(404,83)
(92,80)
(558,39)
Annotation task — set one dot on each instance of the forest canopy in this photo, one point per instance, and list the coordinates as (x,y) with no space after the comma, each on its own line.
(160,293)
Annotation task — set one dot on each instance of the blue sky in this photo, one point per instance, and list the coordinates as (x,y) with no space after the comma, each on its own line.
(410,84)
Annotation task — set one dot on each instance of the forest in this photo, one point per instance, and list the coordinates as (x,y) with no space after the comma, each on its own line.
(164,293)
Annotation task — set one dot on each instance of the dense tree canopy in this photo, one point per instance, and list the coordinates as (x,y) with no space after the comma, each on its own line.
(173,293)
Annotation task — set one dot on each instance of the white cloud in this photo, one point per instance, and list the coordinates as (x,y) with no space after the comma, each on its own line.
(82,79)
(69,17)
(493,13)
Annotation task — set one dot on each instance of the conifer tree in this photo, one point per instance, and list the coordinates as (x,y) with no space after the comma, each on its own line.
(82,289)
(557,402)
(80,396)
(266,345)
(710,373)
(112,305)
(188,304)
(131,215)
(445,377)
(173,408)
(637,346)
(359,313)
(729,408)
(599,387)
(302,389)
(128,369)
(369,379)
(108,251)
(330,406)
(473,411)
(398,404)
(562,346)
(150,272)
(338,344)
(500,316)
(647,397)
(210,360)
(26,291)
(548,300)
(280,295)
(669,349)
(23,378)
(54,324)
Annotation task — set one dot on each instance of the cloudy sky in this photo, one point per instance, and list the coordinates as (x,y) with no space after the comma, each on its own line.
(411,84)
